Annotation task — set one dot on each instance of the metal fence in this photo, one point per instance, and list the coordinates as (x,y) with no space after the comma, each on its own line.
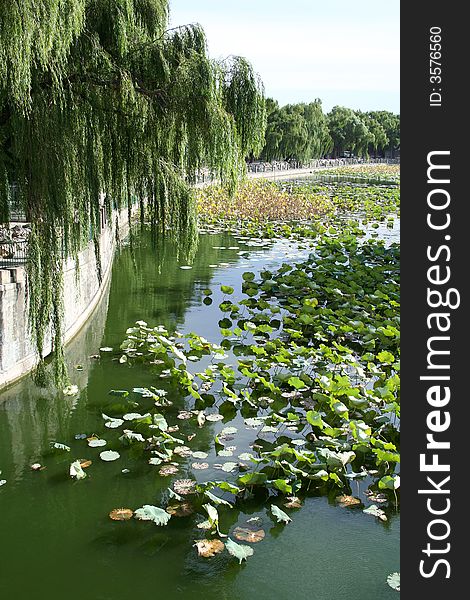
(204,175)
(328,163)
(13,253)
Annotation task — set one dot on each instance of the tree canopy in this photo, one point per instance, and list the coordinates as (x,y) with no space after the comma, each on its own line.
(99,103)
(296,131)
(303,132)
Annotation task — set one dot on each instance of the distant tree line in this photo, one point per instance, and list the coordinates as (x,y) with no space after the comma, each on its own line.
(303,131)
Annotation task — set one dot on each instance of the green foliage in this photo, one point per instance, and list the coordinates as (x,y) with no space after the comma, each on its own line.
(295,131)
(100,105)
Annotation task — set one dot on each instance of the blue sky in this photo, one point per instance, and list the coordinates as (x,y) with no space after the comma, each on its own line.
(342,51)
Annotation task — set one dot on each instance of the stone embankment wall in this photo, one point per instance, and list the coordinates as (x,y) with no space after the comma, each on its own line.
(82,293)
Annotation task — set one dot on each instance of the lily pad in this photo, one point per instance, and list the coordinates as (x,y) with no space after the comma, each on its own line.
(214,417)
(184,486)
(200,466)
(247,534)
(200,454)
(393,581)
(109,455)
(167,470)
(96,442)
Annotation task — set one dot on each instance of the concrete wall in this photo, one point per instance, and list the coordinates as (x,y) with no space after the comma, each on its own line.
(82,294)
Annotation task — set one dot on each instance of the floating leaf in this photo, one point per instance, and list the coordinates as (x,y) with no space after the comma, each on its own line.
(112,423)
(58,446)
(131,436)
(228,431)
(180,509)
(184,486)
(239,551)
(376,512)
(134,416)
(76,471)
(214,417)
(208,548)
(293,502)
(109,455)
(96,442)
(121,514)
(247,534)
(167,470)
(183,451)
(347,501)
(228,467)
(152,513)
(225,453)
(200,454)
(393,581)
(280,515)
(226,289)
(200,466)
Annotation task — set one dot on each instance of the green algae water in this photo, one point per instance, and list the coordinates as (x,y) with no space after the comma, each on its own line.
(56,539)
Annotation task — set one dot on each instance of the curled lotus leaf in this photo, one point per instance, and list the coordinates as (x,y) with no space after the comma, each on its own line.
(280,515)
(76,471)
(121,514)
(239,551)
(152,513)
(376,512)
(208,548)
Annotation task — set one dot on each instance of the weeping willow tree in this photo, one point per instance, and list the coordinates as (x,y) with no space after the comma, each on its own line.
(99,103)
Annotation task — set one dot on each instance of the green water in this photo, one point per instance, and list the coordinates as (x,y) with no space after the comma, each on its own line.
(56,540)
